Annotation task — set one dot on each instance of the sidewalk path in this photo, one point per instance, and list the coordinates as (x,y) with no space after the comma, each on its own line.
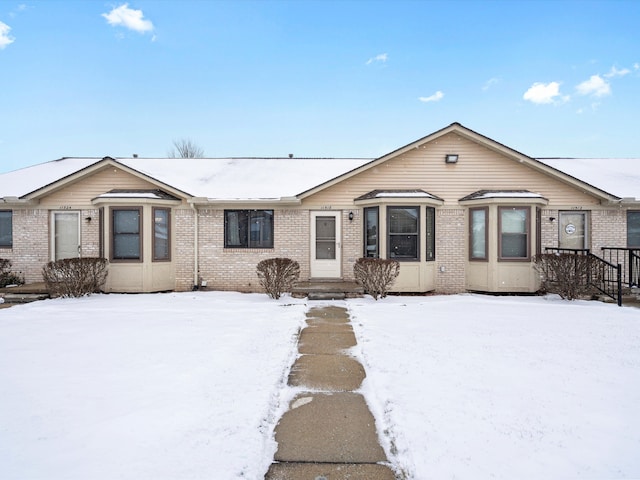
(328,433)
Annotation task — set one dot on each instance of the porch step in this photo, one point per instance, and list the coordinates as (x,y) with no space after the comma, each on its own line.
(326,296)
(13,298)
(327,290)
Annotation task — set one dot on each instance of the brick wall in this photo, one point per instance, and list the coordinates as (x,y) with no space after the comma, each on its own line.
(235,268)
(30,250)
(450,250)
(183,248)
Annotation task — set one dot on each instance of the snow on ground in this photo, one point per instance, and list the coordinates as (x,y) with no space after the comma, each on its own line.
(479,387)
(165,386)
(190,385)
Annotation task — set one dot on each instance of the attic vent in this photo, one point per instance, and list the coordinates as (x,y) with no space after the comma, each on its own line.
(451,158)
(135,155)
(291,155)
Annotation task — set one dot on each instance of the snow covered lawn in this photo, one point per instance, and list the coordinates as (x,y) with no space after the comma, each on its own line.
(504,387)
(190,385)
(166,386)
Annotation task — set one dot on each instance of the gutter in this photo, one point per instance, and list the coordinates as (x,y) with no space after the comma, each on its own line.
(196,282)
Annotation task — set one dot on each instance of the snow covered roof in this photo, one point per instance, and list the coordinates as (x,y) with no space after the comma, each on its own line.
(397,194)
(617,176)
(484,194)
(213,178)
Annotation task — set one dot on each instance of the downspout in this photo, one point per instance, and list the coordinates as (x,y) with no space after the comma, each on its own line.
(196,282)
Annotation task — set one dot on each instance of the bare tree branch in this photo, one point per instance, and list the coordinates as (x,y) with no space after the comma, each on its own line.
(185,148)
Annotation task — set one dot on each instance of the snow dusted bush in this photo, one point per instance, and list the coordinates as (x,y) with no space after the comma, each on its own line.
(7,277)
(277,275)
(75,277)
(569,275)
(376,275)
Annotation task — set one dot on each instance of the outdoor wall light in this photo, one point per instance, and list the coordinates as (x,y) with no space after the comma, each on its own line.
(351,216)
(451,158)
(88,219)
(552,219)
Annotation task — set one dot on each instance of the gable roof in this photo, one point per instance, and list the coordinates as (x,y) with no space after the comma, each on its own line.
(487,143)
(211,178)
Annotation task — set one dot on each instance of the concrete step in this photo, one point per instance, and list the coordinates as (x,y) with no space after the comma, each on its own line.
(327,296)
(15,298)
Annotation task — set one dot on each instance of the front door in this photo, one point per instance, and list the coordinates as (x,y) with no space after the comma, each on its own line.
(326,248)
(573,230)
(65,239)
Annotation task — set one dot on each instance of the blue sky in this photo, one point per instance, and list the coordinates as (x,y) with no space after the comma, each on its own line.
(315,78)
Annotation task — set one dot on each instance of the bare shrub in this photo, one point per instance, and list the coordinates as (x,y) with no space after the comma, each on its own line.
(7,277)
(376,275)
(277,275)
(75,277)
(569,275)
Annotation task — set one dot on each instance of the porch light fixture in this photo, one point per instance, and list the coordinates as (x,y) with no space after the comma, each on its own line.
(88,219)
(451,158)
(351,216)
(552,219)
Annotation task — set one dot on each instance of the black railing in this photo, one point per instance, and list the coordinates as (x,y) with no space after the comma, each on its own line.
(629,258)
(604,276)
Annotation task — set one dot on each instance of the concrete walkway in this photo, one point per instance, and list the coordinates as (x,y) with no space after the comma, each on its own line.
(328,433)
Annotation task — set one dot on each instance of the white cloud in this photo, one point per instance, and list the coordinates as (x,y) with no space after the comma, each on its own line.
(382,57)
(636,66)
(596,86)
(542,93)
(123,16)
(490,83)
(614,72)
(5,38)
(436,97)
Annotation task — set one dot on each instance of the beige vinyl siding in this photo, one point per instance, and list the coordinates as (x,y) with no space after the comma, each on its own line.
(477,169)
(81,193)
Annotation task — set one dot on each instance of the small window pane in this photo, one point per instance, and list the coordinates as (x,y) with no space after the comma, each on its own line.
(431,234)
(479,234)
(161,242)
(633,229)
(6,228)
(371,232)
(403,246)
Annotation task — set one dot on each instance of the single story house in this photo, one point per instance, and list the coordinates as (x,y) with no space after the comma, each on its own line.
(458,210)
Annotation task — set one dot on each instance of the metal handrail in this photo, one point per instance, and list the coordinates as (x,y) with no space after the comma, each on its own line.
(607,278)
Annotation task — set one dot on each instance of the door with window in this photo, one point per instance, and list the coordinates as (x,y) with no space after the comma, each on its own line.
(573,230)
(326,248)
(65,241)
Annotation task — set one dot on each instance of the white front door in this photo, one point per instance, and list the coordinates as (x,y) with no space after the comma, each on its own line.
(65,235)
(326,247)
(573,230)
